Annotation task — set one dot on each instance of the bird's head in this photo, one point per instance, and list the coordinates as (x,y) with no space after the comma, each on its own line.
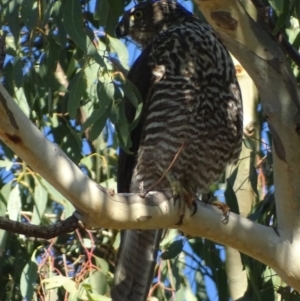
(147,19)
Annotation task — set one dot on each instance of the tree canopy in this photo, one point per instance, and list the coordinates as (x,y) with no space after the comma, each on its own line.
(66,72)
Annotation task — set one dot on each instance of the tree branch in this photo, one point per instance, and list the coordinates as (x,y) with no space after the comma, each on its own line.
(100,207)
(62,227)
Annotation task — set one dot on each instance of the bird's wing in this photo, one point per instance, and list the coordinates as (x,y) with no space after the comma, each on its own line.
(138,250)
(140,76)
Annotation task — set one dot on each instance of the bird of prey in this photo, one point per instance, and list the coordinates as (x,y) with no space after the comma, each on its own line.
(190,127)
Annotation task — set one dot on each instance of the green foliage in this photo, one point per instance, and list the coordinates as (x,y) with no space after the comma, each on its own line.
(67,72)
(287,15)
(62,72)
(174,249)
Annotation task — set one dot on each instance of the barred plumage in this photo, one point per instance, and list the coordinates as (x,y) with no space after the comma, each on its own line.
(192,102)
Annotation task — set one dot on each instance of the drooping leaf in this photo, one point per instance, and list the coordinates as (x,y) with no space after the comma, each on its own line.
(18,72)
(14,203)
(28,278)
(48,77)
(47,13)
(231,198)
(57,196)
(7,164)
(77,86)
(179,296)
(122,126)
(40,204)
(101,11)
(98,282)
(73,24)
(105,91)
(115,10)
(102,264)
(58,281)
(29,13)
(121,50)
(176,274)
(188,293)
(283,17)
(9,78)
(4,194)
(57,14)
(173,250)
(12,17)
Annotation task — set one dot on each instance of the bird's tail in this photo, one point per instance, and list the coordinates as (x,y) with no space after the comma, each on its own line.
(135,265)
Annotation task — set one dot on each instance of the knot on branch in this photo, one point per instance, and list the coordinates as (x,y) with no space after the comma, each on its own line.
(224,20)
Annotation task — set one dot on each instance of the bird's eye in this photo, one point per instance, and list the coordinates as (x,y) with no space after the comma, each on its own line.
(138,14)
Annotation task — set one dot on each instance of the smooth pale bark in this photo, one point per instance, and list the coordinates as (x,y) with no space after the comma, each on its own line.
(265,62)
(246,197)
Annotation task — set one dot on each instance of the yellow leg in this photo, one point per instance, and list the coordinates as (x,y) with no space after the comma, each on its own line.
(180,193)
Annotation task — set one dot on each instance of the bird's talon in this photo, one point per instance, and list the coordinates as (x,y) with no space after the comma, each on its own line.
(209,198)
(226,217)
(179,223)
(176,198)
(195,207)
(225,209)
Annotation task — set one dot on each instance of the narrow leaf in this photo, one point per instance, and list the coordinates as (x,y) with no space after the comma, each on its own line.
(73,24)
(28,278)
(76,87)
(101,11)
(98,281)
(231,198)
(98,118)
(173,250)
(18,72)
(98,126)
(57,196)
(29,13)
(12,19)
(40,203)
(72,20)
(14,203)
(7,164)
(121,50)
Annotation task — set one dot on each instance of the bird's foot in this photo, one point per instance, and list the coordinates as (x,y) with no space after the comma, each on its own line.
(182,195)
(209,198)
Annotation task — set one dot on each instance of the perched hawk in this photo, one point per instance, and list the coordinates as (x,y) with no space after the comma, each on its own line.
(192,108)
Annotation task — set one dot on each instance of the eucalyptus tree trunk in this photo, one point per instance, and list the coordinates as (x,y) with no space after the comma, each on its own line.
(246,196)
